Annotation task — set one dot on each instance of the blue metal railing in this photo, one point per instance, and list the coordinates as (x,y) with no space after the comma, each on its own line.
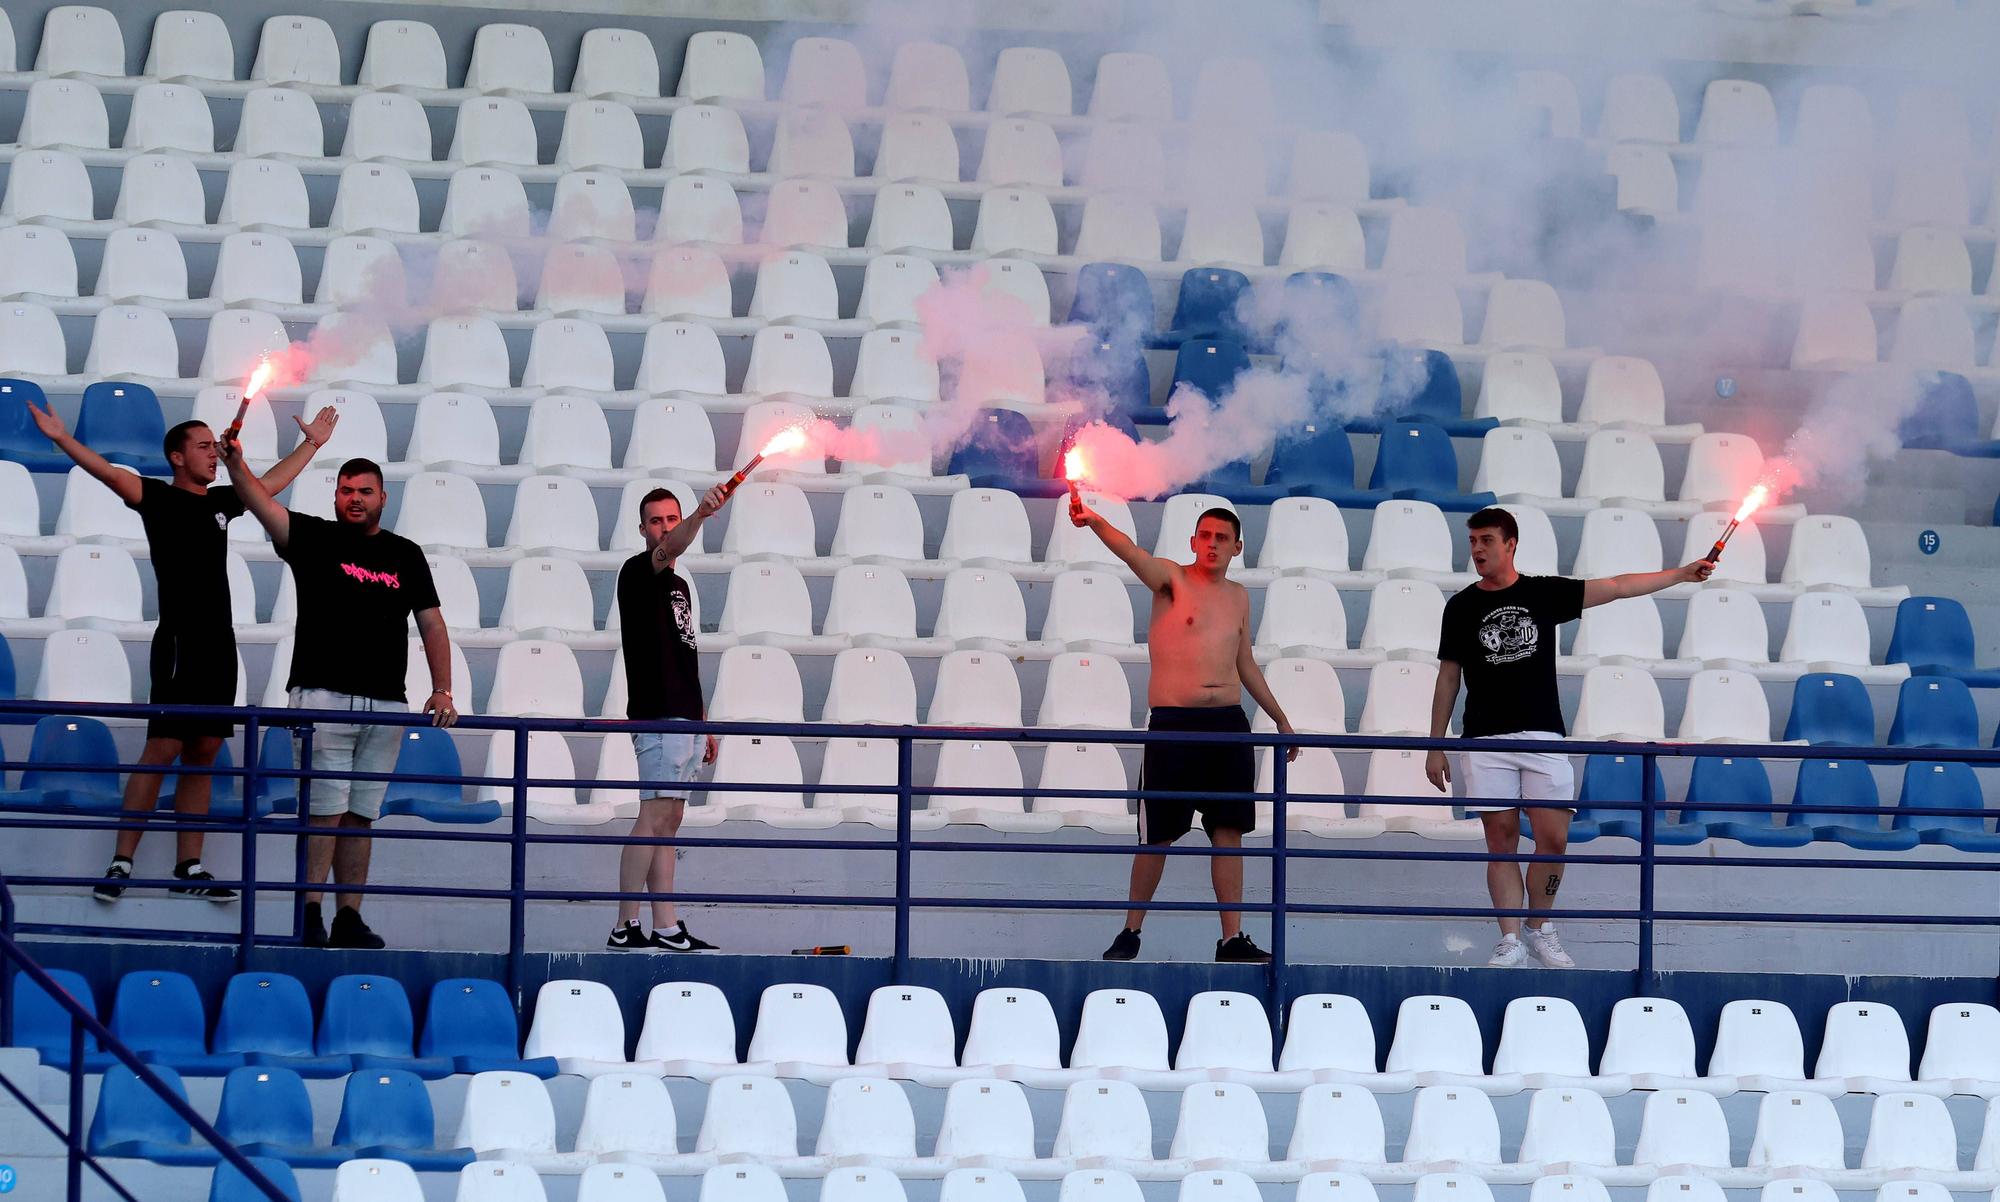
(518,835)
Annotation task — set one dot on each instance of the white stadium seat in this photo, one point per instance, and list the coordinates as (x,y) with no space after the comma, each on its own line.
(592,204)
(707,137)
(84,665)
(721,65)
(1125,154)
(1619,703)
(616,61)
(1798,1131)
(825,71)
(1104,1119)
(917,146)
(493,130)
(909,217)
(509,57)
(169,116)
(64,112)
(749,1117)
(1909,1131)
(1451,1124)
(928,75)
(80,39)
(812,142)
(986,1117)
(1725,706)
(795,285)
(1682,1127)
(1030,79)
(1436,1034)
(1012,221)
(687,281)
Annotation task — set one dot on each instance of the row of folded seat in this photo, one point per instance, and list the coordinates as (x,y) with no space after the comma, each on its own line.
(1832,191)
(364,1023)
(501,1181)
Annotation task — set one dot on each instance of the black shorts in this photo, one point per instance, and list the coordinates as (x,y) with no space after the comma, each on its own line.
(193,667)
(1202,770)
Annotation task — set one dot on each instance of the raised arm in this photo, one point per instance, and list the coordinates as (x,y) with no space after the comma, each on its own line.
(682,536)
(115,478)
(1443,698)
(1641,584)
(276,519)
(1259,688)
(1153,572)
(311,438)
(437,654)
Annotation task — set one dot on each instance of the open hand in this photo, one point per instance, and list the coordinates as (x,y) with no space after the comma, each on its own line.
(1438,769)
(1292,752)
(708,751)
(321,427)
(47,421)
(1698,571)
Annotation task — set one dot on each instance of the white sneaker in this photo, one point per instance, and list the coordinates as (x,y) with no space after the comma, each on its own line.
(1546,946)
(1508,953)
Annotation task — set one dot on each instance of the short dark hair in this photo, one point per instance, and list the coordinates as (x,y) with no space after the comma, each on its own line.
(177,438)
(654,498)
(1495,518)
(361,467)
(1222,515)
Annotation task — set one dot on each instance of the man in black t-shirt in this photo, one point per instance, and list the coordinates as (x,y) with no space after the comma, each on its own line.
(663,682)
(1499,636)
(358,586)
(193,657)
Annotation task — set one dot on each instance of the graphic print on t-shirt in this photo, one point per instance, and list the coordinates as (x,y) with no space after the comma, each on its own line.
(684,617)
(1509,633)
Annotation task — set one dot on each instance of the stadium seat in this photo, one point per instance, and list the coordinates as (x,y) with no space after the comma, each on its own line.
(616,62)
(508,1113)
(998,455)
(1934,712)
(1909,1131)
(1724,628)
(160,187)
(565,431)
(40,263)
(1745,562)
(1615,541)
(260,195)
(749,1117)
(1328,165)
(1230,90)
(1207,307)
(795,285)
(803,213)
(812,142)
(581,278)
(1323,237)
(1120,227)
(1420,311)
(387,126)
(1303,617)
(1736,112)
(1014,222)
(1424,240)
(48,184)
(131,1120)
(360,271)
(1624,466)
(553,513)
(1931,260)
(928,75)
(1568,1127)
(510,58)
(784,359)
(1735,781)
(982,609)
(1682,1127)
(1408,538)
(488,202)
(917,146)
(1221,1122)
(1436,1034)
(1619,703)
(1222,233)
(668,434)
(1725,706)
(1834,332)
(448,513)
(80,665)
(1403,617)
(1224,1031)
(1085,689)
(230,1185)
(890,288)
(280,121)
(1797,1131)
(80,39)
(493,130)
(592,203)
(1957,1043)
(256,267)
(1826,787)
(169,116)
(1831,708)
(387,1114)
(267,1020)
(1934,636)
(64,113)
(1945,786)
(402,54)
(160,1015)
(1104,1119)
(1021,152)
(1124,154)
(707,137)
(1932,332)
(909,217)
(1451,1125)
(1305,533)
(547,598)
(686,281)
(268,1113)
(1616,778)
(1866,1044)
(368,1018)
(122,422)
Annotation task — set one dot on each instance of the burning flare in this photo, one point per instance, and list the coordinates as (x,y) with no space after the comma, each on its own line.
(1073,469)
(1752,503)
(784,442)
(260,379)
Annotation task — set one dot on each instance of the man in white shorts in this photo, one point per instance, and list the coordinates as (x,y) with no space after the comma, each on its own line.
(1499,636)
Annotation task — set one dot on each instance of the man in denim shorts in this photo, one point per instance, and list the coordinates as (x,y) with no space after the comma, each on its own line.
(663,683)
(358,587)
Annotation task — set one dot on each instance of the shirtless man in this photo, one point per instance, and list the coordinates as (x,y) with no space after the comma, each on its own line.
(1198,640)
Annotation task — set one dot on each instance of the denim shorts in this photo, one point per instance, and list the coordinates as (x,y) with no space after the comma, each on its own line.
(666,760)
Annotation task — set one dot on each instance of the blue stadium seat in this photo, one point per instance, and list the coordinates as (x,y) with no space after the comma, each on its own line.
(1831,708)
(159,1015)
(1736,780)
(1934,636)
(131,1120)
(1319,462)
(277,794)
(1827,787)
(1209,366)
(1939,786)
(471,1023)
(225,798)
(368,1018)
(266,1111)
(40,1023)
(19,440)
(267,1018)
(1232,480)
(1206,306)
(1420,384)
(230,1185)
(1114,299)
(1934,711)
(1110,377)
(1321,300)
(68,740)
(1415,462)
(1616,778)
(386,1114)
(122,422)
(999,452)
(1946,417)
(427,751)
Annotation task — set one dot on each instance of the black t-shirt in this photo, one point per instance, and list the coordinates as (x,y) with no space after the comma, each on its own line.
(1504,641)
(188,534)
(356,594)
(662,669)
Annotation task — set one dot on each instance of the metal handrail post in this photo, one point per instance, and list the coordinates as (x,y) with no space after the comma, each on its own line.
(1648,857)
(75,1137)
(247,933)
(303,801)
(1275,999)
(517,875)
(905,754)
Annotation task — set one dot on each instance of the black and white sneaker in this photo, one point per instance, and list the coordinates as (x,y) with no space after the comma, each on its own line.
(679,940)
(112,887)
(628,935)
(1125,947)
(191,870)
(1240,950)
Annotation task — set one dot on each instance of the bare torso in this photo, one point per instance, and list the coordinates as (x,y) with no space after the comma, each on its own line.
(1193,639)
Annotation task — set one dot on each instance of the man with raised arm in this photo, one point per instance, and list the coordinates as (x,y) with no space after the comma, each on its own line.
(1198,645)
(662,681)
(1498,635)
(358,586)
(194,646)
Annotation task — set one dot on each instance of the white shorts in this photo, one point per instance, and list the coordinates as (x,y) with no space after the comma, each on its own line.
(1502,776)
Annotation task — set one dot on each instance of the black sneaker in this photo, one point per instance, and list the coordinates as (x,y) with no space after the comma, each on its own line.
(678,941)
(1240,951)
(628,935)
(315,932)
(191,870)
(1125,947)
(350,931)
(112,887)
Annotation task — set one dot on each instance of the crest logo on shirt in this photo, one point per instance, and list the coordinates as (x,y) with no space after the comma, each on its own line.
(1509,634)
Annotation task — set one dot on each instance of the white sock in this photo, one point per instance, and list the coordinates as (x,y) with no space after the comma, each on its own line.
(1510,937)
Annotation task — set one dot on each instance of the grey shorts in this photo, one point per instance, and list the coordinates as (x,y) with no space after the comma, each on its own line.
(345,748)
